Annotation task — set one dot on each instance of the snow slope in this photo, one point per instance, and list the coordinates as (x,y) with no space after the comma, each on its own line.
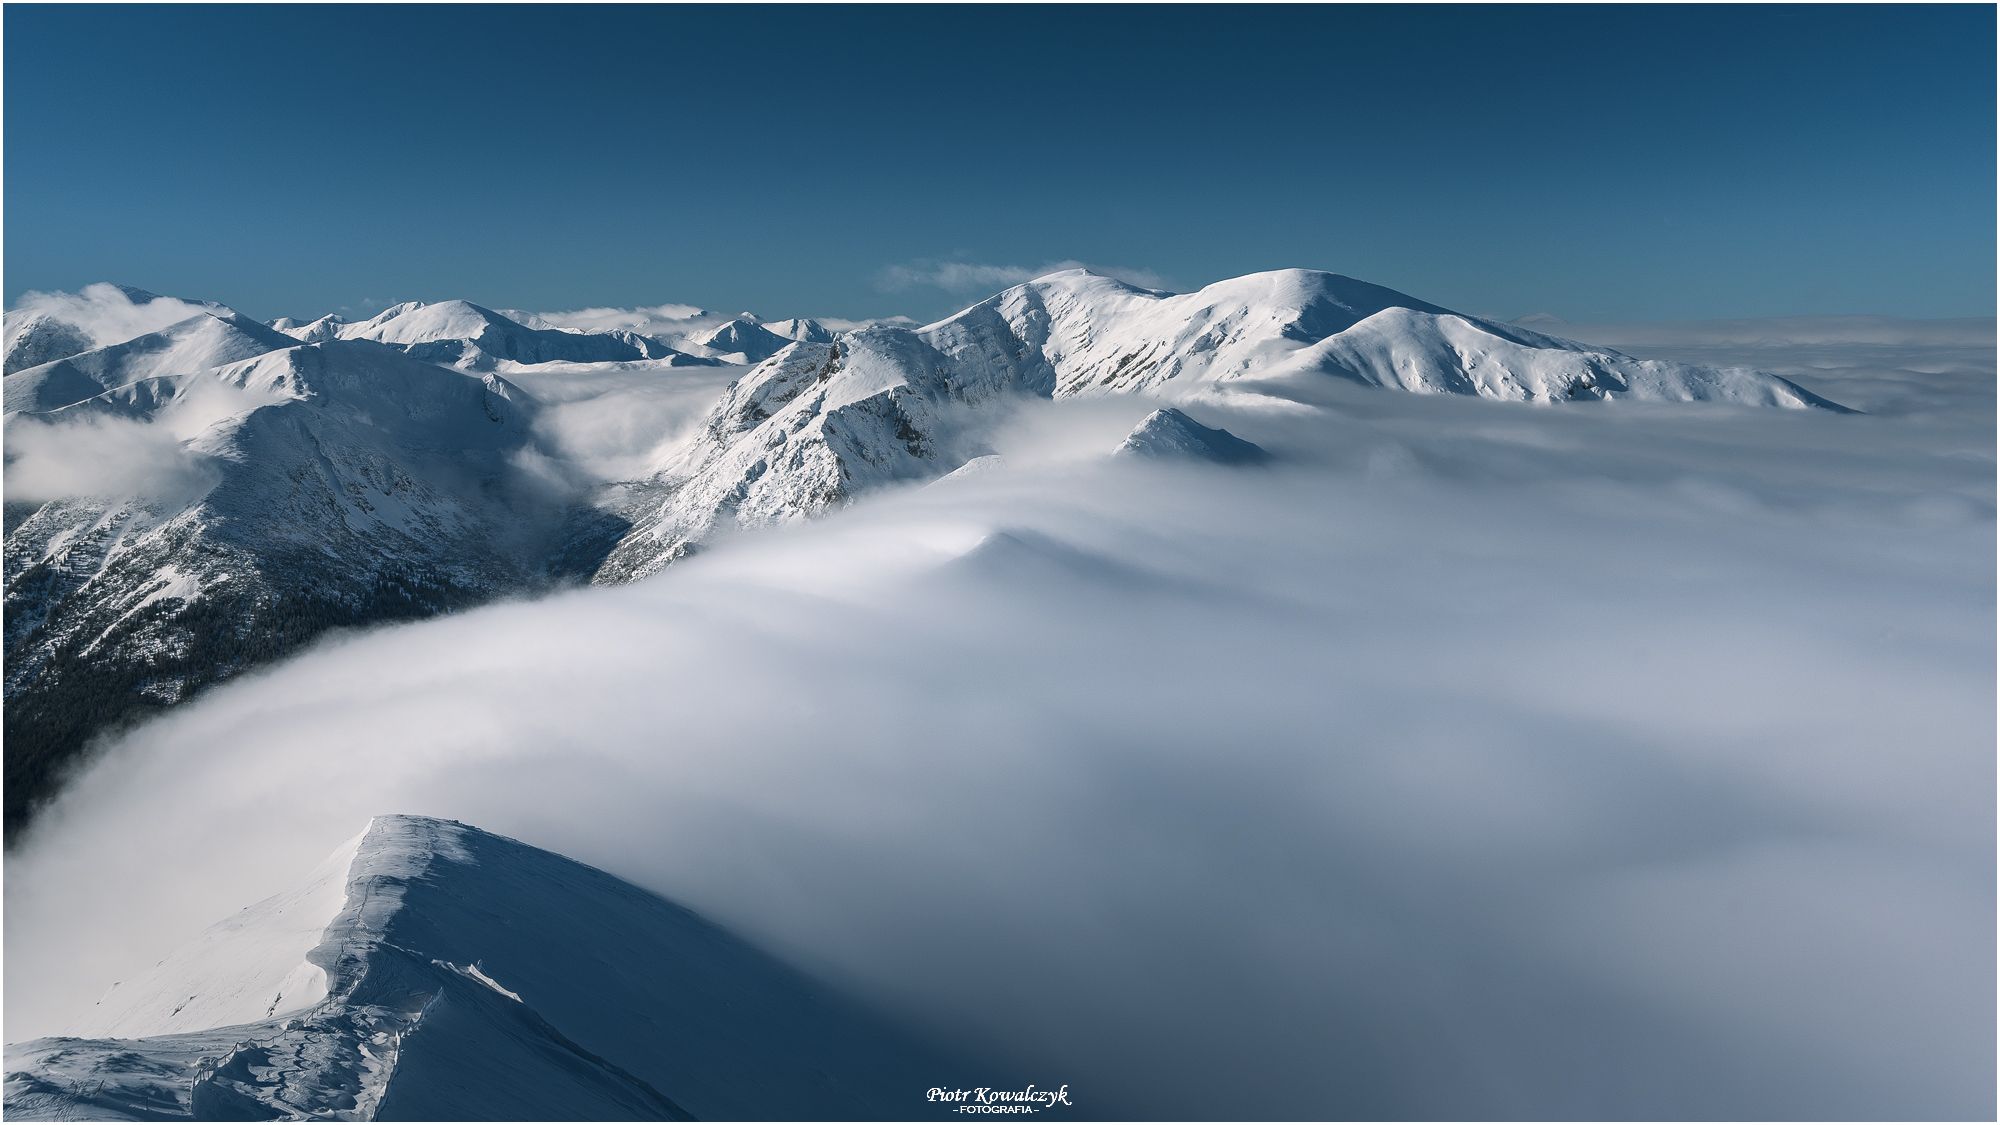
(818,424)
(802,432)
(1170,434)
(1425,353)
(200,342)
(428,970)
(462,334)
(319,331)
(742,340)
(801,328)
(248,967)
(1088,334)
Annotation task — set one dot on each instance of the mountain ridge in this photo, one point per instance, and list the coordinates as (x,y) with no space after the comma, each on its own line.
(328,484)
(384,470)
(819,424)
(386,986)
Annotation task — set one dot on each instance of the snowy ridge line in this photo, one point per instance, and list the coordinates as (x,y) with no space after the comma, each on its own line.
(351,474)
(414,1025)
(817,425)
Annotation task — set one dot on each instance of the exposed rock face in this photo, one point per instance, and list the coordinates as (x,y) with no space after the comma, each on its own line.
(339,484)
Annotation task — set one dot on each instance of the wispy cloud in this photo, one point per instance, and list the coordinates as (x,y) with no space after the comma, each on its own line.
(102,457)
(976,277)
(103,312)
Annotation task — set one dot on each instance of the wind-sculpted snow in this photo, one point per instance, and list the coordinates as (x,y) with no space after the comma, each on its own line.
(428,970)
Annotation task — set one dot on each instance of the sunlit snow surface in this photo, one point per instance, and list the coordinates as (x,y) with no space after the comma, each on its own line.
(611,996)
(1472,759)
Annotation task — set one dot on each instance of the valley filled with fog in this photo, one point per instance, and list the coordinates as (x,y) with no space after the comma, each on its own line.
(1469,758)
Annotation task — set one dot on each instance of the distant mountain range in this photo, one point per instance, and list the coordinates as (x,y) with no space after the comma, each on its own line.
(819,423)
(337,474)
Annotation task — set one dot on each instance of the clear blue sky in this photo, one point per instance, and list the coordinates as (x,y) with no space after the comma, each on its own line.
(1598,163)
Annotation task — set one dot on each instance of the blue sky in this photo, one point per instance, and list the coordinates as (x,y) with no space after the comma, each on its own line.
(1598,163)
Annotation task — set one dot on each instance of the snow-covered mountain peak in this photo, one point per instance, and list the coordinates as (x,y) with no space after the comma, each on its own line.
(420,323)
(817,424)
(325,328)
(1063,288)
(1090,333)
(801,328)
(744,339)
(1168,433)
(470,336)
(388,388)
(197,343)
(1311,304)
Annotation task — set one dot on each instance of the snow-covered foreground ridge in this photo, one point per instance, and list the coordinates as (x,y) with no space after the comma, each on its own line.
(429,970)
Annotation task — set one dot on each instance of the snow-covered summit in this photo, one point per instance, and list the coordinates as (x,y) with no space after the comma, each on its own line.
(803,329)
(429,970)
(474,337)
(741,340)
(818,424)
(1087,333)
(312,332)
(1170,434)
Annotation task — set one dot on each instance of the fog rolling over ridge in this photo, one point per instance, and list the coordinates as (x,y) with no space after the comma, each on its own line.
(1469,758)
(210,496)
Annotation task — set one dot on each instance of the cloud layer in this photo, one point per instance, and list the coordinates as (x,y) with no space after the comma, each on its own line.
(1480,761)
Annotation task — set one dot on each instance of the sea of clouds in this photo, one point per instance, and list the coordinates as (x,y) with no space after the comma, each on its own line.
(1478,760)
